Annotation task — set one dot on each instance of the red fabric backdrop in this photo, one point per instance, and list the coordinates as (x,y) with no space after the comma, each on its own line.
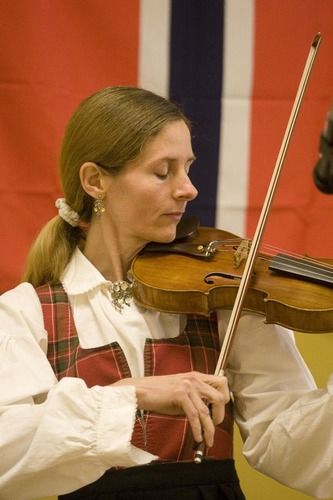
(54,53)
(300,220)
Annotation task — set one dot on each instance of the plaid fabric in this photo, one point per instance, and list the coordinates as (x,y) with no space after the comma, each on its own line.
(196,348)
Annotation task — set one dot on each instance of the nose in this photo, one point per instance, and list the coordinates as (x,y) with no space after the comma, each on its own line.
(185,189)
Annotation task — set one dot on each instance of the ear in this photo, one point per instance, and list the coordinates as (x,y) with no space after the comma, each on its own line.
(92,180)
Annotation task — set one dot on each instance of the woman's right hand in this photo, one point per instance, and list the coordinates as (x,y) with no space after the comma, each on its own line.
(201,397)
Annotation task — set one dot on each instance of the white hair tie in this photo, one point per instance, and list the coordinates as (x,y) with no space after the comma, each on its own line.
(66,212)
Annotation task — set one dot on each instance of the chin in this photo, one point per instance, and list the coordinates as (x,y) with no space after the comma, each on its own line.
(165,235)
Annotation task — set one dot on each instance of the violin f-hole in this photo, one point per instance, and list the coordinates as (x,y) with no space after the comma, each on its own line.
(209,278)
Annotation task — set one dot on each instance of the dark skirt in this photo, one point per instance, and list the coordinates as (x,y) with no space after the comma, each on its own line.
(210,480)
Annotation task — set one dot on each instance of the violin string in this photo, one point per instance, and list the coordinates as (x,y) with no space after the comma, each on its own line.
(271,250)
(312,264)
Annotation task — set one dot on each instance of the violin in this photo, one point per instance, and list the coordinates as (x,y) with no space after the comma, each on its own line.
(201,272)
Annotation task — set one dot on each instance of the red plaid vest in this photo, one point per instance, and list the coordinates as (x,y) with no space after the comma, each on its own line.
(196,348)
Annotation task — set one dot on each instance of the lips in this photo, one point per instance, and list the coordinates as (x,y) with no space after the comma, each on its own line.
(175,215)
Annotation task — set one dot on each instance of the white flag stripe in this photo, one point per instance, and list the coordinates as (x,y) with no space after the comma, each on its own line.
(236,113)
(154,46)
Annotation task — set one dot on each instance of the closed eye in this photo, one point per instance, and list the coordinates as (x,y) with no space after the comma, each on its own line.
(162,176)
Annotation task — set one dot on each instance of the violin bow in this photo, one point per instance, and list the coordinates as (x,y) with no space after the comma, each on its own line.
(251,258)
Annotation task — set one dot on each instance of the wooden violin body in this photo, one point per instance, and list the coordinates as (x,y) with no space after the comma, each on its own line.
(177,283)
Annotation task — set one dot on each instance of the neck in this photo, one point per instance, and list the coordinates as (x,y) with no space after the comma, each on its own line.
(108,252)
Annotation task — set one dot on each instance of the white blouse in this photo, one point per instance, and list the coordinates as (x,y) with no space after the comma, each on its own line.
(56,437)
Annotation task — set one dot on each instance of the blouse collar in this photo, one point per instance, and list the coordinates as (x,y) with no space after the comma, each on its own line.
(81,276)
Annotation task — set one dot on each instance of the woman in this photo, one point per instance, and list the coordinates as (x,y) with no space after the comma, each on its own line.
(94,384)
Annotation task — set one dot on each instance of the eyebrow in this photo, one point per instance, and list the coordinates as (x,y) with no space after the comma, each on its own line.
(170,158)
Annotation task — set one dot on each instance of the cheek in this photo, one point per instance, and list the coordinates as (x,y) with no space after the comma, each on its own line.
(137,202)
(145,200)
(135,208)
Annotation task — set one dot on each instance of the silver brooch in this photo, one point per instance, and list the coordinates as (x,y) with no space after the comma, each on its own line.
(121,294)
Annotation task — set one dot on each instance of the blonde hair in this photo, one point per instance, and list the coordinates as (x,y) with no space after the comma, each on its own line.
(110,128)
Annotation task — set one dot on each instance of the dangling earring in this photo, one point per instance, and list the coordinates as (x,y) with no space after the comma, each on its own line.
(99,206)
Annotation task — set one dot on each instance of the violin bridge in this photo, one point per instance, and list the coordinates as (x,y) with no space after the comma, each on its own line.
(241,253)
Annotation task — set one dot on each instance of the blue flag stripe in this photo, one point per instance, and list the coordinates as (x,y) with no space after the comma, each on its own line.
(196,62)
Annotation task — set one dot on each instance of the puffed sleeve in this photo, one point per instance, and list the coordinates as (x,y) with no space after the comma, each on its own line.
(55,436)
(286,422)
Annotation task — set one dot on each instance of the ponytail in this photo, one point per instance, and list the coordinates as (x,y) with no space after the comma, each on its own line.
(51,252)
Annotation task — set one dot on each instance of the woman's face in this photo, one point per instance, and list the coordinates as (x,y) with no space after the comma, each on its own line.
(147,199)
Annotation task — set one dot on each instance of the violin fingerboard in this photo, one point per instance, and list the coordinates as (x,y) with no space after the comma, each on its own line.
(305,269)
